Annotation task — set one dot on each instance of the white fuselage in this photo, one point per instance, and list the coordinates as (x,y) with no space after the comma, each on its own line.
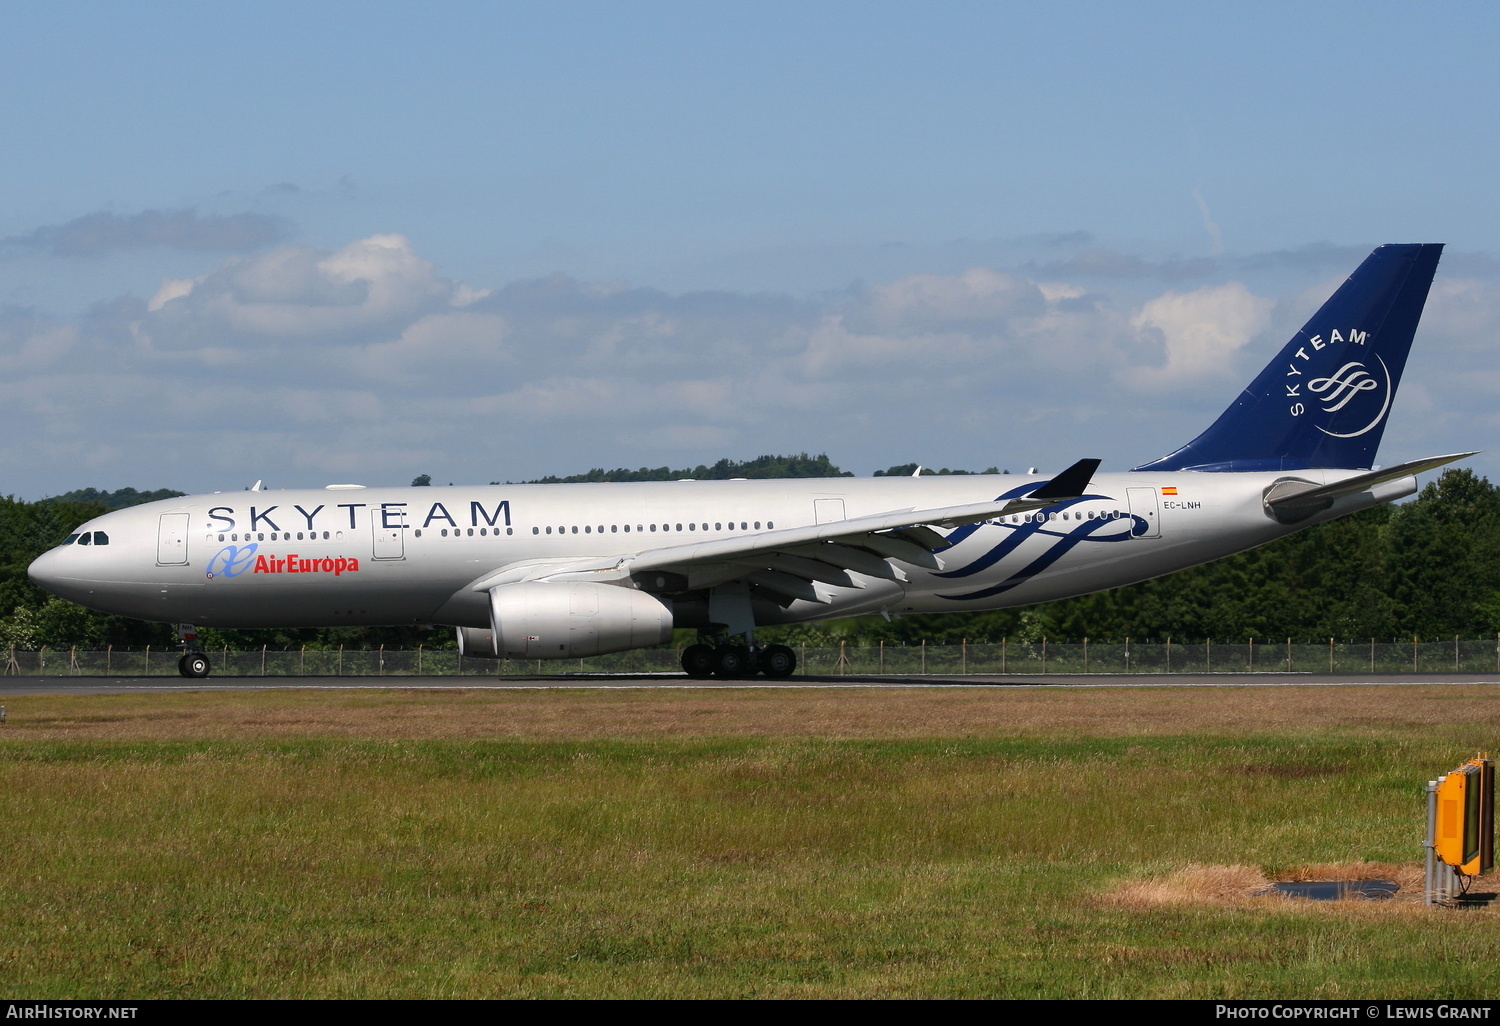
(316,558)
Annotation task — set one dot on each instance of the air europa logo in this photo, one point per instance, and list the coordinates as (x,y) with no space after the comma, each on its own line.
(1364,387)
(295,564)
(233,560)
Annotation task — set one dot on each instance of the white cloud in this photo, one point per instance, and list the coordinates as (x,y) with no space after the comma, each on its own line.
(29,344)
(1201,332)
(369,288)
(303,366)
(1463,311)
(171,288)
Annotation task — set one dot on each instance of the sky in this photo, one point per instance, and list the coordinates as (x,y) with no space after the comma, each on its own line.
(334,242)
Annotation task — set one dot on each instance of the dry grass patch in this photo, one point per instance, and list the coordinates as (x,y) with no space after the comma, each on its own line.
(1244,886)
(1463,712)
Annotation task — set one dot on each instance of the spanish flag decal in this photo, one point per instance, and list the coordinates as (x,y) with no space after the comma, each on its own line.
(1169,491)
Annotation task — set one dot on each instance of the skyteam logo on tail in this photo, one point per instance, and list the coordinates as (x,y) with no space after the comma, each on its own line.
(1362,386)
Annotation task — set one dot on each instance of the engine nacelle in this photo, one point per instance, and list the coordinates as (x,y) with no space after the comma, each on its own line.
(477,643)
(559,620)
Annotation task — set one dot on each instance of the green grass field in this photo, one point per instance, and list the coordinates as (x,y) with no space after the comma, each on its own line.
(903,843)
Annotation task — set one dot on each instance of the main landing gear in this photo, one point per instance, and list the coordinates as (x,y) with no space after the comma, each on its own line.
(192,664)
(735,662)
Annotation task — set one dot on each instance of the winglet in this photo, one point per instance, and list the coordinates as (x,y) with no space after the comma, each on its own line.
(1070,484)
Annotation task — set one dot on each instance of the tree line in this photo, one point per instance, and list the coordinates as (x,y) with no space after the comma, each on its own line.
(1429,568)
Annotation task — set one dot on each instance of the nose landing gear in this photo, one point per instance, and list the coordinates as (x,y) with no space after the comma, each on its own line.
(192,664)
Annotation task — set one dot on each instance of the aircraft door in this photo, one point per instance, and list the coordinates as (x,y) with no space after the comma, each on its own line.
(828,511)
(171,540)
(389,541)
(1144,506)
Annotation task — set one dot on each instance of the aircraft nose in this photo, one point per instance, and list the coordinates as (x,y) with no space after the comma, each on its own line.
(45,570)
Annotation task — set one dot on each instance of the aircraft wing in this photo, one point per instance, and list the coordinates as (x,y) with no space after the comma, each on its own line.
(790,561)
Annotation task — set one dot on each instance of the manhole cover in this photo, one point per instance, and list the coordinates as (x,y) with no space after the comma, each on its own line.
(1335,890)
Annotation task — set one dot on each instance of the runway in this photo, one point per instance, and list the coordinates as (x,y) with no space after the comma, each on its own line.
(105,685)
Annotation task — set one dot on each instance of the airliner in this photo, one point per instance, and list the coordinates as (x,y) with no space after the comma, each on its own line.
(562,571)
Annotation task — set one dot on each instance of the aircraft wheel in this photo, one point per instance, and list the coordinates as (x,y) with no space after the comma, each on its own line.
(194,664)
(778,661)
(732,661)
(698,661)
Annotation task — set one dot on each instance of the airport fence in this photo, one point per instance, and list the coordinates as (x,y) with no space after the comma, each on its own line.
(1455,655)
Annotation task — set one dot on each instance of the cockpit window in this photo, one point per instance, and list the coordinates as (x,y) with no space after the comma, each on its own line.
(100,538)
(70,539)
(85,538)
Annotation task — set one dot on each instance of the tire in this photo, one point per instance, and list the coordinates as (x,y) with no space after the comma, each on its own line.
(732,662)
(194,664)
(698,661)
(778,662)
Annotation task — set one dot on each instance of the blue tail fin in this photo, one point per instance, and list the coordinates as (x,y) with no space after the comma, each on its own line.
(1324,400)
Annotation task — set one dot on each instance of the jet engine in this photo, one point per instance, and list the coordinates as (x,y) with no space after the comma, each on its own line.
(560,620)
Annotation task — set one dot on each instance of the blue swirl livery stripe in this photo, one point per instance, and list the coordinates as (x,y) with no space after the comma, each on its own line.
(1065,542)
(958,535)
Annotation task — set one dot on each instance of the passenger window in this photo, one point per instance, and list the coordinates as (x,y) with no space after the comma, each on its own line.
(587,529)
(653,528)
(549,530)
(757,525)
(627,528)
(538,530)
(692,527)
(614,528)
(470,532)
(769,525)
(719,525)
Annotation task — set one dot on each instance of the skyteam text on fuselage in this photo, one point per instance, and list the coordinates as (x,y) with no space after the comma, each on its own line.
(557,571)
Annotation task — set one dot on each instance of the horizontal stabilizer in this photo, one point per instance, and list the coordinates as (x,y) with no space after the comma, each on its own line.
(1291,502)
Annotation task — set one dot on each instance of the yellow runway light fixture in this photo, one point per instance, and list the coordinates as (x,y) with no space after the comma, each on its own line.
(1460,828)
